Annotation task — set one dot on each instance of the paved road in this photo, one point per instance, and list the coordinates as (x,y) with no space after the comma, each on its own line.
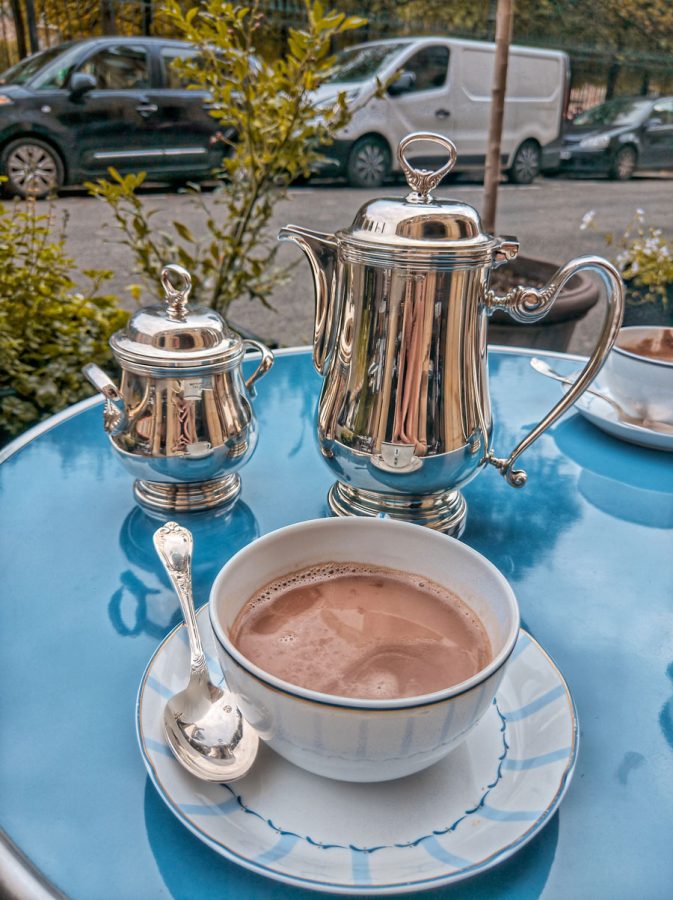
(544,216)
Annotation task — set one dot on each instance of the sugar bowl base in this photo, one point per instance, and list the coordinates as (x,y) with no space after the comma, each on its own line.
(442,510)
(193,496)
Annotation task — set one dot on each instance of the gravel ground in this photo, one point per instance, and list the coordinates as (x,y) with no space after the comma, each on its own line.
(544,216)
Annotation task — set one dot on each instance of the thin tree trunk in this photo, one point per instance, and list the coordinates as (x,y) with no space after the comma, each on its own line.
(107,16)
(32,26)
(20,29)
(503,38)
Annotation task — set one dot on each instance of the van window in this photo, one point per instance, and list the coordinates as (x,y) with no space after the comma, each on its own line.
(429,67)
(360,63)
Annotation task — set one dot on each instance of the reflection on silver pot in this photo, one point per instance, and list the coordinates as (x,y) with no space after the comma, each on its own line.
(181,420)
(402,303)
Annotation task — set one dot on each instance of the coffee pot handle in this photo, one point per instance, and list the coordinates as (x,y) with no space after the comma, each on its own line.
(527,305)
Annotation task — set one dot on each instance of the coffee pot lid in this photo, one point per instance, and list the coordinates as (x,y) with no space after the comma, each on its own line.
(173,335)
(419,222)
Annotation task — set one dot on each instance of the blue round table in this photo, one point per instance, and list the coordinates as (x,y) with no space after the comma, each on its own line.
(587,546)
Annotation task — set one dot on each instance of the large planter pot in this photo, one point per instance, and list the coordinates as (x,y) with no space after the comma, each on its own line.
(556,329)
(642,311)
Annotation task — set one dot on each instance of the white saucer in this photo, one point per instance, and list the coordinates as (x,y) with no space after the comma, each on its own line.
(456,819)
(605,417)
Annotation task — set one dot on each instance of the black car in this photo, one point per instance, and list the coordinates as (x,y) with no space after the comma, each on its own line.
(616,138)
(70,112)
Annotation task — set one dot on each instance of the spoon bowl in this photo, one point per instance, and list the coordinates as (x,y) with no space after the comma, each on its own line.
(202,723)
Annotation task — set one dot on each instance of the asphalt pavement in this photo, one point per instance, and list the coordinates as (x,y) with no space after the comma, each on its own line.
(545,217)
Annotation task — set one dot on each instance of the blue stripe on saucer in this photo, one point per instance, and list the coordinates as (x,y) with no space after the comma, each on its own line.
(360,867)
(516,715)
(432,846)
(226,807)
(522,643)
(281,848)
(509,815)
(159,687)
(532,762)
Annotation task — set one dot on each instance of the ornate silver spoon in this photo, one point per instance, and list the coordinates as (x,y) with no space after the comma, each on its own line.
(544,369)
(204,728)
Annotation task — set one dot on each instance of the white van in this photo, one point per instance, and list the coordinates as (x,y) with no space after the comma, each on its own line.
(444,86)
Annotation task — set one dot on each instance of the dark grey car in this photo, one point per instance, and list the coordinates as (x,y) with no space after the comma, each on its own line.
(616,138)
(70,112)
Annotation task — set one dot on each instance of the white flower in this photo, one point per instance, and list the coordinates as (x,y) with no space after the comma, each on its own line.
(587,219)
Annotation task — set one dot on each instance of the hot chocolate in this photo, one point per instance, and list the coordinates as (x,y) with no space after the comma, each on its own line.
(361,631)
(657,347)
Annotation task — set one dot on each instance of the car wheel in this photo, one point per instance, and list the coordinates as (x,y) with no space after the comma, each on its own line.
(368,163)
(624,164)
(526,163)
(32,168)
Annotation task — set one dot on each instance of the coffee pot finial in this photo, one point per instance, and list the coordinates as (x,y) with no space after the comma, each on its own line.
(422,181)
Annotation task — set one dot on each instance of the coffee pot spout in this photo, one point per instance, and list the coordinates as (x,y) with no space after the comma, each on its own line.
(321,250)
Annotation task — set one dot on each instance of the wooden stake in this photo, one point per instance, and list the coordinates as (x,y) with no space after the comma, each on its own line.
(503,38)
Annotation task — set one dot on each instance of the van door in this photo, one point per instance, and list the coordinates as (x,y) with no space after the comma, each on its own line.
(424,104)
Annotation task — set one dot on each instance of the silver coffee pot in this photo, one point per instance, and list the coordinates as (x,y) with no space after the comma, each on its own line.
(181,420)
(402,306)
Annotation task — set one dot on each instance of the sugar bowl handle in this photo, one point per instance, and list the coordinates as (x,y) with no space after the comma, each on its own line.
(263,367)
(114,412)
(531,304)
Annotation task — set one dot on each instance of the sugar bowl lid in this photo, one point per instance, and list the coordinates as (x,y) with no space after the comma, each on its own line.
(419,224)
(173,336)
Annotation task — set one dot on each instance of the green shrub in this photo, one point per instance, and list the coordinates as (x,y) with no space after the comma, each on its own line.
(48,327)
(279,133)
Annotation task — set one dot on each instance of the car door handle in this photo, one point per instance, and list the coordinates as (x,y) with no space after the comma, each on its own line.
(442,113)
(146,109)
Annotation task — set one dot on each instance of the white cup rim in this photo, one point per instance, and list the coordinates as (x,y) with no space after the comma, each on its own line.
(301,693)
(648,360)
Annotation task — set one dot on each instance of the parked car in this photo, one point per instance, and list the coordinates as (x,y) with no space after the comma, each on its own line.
(616,138)
(70,112)
(444,84)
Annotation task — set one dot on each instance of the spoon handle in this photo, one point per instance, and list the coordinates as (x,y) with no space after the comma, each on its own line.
(174,544)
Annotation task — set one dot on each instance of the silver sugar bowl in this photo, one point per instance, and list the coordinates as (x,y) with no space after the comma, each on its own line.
(402,304)
(181,421)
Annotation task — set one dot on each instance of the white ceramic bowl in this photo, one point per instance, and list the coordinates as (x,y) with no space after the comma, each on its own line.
(643,386)
(342,737)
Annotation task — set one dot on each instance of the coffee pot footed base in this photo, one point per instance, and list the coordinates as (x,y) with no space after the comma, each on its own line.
(441,510)
(157,496)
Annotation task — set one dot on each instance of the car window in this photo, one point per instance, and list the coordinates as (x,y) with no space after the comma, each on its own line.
(429,67)
(22,71)
(621,111)
(663,110)
(121,67)
(56,71)
(172,78)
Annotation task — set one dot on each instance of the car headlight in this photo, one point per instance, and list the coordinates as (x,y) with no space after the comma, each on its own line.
(599,142)
(5,100)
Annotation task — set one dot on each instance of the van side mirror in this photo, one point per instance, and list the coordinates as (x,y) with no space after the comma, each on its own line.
(403,83)
(654,122)
(80,84)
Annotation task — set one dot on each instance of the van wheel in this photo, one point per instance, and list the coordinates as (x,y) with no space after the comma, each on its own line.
(526,164)
(624,164)
(32,168)
(368,163)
